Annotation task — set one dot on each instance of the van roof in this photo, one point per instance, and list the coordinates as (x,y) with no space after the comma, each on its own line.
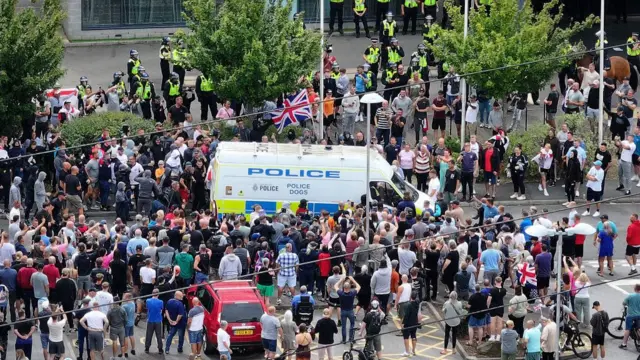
(293,154)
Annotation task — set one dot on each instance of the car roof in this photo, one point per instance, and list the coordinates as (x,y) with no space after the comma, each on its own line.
(234,291)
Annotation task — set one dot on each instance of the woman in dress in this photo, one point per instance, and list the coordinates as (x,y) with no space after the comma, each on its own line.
(304,340)
(605,238)
(289,330)
(422,167)
(450,266)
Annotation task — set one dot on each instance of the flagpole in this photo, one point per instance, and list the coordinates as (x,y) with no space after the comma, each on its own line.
(321,109)
(601,89)
(463,82)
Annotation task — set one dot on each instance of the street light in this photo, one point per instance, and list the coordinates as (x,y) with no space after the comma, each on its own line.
(369,98)
(539,231)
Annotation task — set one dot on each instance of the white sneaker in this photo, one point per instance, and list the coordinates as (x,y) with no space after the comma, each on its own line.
(596,214)
(638,184)
(498,338)
(585,213)
(546,193)
(492,338)
(635,178)
(521,197)
(539,187)
(577,193)
(474,191)
(562,185)
(515,195)
(565,203)
(405,354)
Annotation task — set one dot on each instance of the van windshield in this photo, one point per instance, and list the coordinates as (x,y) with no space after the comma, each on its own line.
(242,313)
(403,187)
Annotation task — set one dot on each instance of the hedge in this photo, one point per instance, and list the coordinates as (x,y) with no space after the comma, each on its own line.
(87,129)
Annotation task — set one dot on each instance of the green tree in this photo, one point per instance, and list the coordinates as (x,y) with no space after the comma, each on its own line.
(31,51)
(252,49)
(508,36)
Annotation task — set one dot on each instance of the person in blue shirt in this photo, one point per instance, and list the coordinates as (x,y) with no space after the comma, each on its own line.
(177,317)
(298,298)
(361,79)
(632,302)
(9,277)
(130,308)
(524,224)
(532,340)
(154,321)
(137,240)
(490,211)
(490,258)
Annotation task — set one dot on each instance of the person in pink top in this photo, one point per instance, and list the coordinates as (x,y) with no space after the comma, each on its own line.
(226,112)
(407,160)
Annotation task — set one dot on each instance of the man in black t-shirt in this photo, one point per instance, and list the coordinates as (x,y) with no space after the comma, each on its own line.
(372,323)
(451,182)
(73,188)
(135,263)
(410,322)
(420,123)
(551,106)
(391,150)
(178,112)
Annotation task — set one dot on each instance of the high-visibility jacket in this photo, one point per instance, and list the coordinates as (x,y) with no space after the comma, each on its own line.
(383,1)
(485,2)
(410,4)
(418,70)
(165,52)
(121,89)
(374,55)
(337,1)
(394,56)
(144,91)
(136,64)
(389,28)
(335,75)
(179,57)
(390,74)
(630,51)
(206,85)
(422,61)
(606,42)
(359,5)
(174,89)
(445,67)
(429,2)
(370,83)
(82,91)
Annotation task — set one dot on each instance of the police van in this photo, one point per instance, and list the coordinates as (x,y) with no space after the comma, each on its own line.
(242,175)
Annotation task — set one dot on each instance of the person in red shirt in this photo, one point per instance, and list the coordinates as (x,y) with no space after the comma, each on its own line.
(633,242)
(24,283)
(324,265)
(491,165)
(536,247)
(53,274)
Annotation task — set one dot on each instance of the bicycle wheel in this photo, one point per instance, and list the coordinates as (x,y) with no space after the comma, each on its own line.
(616,328)
(581,345)
(347,355)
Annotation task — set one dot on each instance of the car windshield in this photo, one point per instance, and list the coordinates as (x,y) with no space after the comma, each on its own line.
(243,312)
(403,187)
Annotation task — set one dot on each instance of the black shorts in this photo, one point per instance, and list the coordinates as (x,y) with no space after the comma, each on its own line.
(593,195)
(56,347)
(497,312)
(409,333)
(384,301)
(579,250)
(543,282)
(146,289)
(635,160)
(439,124)
(334,302)
(632,250)
(597,339)
(329,120)
(545,172)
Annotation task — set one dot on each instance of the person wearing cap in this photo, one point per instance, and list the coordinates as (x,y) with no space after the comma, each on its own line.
(68,112)
(371,56)
(359,15)
(595,176)
(633,50)
(371,327)
(388,29)
(599,323)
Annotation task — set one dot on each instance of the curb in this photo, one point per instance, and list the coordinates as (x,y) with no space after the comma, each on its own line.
(108,42)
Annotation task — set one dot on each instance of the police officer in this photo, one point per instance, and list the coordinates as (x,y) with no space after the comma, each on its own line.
(422,56)
(430,8)
(428,36)
(390,79)
(415,67)
(382,8)
(372,57)
(82,91)
(172,89)
(389,29)
(359,11)
(301,26)
(135,81)
(146,92)
(633,50)
(409,10)
(133,65)
(336,8)
(180,61)
(393,53)
(607,63)
(335,71)
(206,97)
(121,87)
(370,75)
(165,57)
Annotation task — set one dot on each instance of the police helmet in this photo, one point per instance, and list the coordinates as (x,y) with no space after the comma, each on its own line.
(83,79)
(391,64)
(347,135)
(328,48)
(297,15)
(429,18)
(133,53)
(144,76)
(366,66)
(373,203)
(421,47)
(141,69)
(635,34)
(117,75)
(166,40)
(394,40)
(291,134)
(174,76)
(389,14)
(181,43)
(414,61)
(335,65)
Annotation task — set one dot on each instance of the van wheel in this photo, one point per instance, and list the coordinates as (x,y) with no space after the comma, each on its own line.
(209,347)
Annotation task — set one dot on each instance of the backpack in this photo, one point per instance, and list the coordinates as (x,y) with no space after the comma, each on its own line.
(261,254)
(375,325)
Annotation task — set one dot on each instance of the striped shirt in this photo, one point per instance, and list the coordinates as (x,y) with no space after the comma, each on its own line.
(422,163)
(384,118)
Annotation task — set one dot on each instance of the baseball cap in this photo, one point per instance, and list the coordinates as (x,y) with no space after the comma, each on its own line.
(139,247)
(597,163)
(595,303)
(409,232)
(255,236)
(86,300)
(604,216)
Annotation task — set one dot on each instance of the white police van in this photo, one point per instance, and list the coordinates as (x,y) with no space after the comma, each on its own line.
(244,174)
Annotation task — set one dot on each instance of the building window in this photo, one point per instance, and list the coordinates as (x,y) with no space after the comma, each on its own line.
(113,14)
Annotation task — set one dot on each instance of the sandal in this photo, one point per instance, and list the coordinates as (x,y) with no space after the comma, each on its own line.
(443,352)
(600,274)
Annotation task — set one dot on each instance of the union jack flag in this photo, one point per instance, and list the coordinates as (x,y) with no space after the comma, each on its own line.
(527,275)
(296,108)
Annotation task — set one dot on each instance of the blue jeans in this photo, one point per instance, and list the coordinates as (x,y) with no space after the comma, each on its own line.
(306,278)
(399,139)
(201,277)
(105,189)
(383,135)
(82,339)
(484,109)
(344,315)
(226,353)
(172,331)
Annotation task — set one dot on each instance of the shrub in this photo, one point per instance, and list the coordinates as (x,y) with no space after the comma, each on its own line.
(87,129)
(226,132)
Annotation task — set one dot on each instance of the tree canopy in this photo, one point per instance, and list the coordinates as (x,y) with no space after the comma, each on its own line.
(31,51)
(251,49)
(507,36)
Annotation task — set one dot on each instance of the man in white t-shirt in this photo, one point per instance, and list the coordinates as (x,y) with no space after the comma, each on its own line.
(434,188)
(224,340)
(594,187)
(625,166)
(195,320)
(104,298)
(96,323)
(472,110)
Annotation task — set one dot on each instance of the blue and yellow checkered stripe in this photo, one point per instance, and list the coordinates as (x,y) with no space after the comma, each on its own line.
(270,207)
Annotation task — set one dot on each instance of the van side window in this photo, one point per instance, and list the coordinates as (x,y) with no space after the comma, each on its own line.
(206,299)
(383,191)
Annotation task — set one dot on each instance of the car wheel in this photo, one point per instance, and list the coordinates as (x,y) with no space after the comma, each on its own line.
(209,347)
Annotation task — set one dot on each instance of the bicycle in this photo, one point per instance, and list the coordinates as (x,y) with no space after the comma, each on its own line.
(615,329)
(580,341)
(361,354)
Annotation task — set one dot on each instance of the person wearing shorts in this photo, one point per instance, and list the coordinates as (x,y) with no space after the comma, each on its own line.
(95,322)
(633,242)
(439,107)
(56,324)
(287,263)
(117,317)
(271,329)
(195,325)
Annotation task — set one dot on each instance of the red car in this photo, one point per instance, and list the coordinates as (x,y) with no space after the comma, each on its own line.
(240,304)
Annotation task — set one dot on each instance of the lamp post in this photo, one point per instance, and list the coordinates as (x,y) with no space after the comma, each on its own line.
(369,98)
(463,82)
(539,231)
(601,88)
(321,107)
